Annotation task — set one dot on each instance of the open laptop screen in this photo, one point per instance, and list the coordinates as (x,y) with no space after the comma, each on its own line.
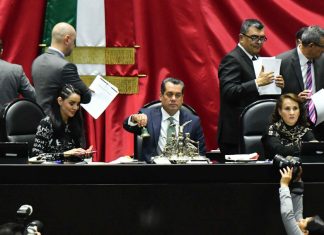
(13,152)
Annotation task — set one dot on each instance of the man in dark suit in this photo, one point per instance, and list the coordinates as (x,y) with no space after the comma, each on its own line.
(13,82)
(239,84)
(156,120)
(294,67)
(50,71)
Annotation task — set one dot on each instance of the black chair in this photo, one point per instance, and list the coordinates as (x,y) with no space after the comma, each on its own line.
(254,120)
(19,121)
(138,140)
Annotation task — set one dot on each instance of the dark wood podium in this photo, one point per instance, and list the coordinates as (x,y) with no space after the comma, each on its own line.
(154,199)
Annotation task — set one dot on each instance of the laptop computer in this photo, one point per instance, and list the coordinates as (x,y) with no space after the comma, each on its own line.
(312,151)
(13,152)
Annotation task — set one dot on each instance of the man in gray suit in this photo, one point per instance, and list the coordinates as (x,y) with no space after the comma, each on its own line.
(294,67)
(50,71)
(13,82)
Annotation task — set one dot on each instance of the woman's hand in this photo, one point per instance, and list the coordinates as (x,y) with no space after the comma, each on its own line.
(75,152)
(286,176)
(89,151)
(79,152)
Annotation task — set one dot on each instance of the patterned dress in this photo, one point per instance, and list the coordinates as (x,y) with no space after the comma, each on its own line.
(46,142)
(285,140)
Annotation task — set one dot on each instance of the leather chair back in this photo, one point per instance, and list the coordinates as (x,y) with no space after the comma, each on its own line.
(20,120)
(138,140)
(254,121)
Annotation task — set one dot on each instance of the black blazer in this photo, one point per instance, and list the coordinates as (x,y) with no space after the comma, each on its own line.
(291,72)
(238,89)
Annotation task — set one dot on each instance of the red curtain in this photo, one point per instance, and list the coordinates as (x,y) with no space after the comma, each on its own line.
(184,39)
(21,25)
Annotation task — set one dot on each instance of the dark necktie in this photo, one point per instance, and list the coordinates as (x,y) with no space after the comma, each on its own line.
(309,82)
(254,58)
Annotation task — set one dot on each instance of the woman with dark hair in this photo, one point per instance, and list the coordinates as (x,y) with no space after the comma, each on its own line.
(61,130)
(288,127)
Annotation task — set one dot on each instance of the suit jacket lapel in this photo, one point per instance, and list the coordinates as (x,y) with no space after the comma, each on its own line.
(157,117)
(249,64)
(297,70)
(183,118)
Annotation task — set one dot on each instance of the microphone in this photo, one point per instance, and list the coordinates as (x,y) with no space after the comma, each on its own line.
(24,211)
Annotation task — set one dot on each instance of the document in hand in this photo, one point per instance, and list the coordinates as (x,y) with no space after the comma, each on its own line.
(318,100)
(270,64)
(103,94)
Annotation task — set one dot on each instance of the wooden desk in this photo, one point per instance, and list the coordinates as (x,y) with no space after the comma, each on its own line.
(153,199)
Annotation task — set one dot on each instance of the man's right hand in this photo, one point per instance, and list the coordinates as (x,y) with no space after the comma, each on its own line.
(265,78)
(140,119)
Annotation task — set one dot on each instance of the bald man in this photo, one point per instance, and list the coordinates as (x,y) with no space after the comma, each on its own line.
(50,71)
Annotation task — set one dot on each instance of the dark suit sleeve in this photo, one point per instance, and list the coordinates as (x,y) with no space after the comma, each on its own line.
(25,88)
(133,129)
(234,83)
(70,75)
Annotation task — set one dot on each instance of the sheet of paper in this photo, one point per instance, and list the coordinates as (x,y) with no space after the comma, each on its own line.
(242,157)
(104,94)
(318,100)
(270,64)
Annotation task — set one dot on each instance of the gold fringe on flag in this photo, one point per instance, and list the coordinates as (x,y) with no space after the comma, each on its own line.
(125,85)
(102,55)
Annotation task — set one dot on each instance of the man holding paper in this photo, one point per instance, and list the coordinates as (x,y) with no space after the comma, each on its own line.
(50,71)
(239,84)
(303,70)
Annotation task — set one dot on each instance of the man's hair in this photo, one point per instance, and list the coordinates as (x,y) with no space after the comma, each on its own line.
(174,81)
(251,23)
(299,33)
(312,34)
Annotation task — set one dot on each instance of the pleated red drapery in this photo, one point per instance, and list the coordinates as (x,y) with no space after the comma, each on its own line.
(184,39)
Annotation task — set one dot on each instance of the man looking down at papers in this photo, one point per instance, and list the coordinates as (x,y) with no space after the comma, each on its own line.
(158,120)
(239,85)
(303,70)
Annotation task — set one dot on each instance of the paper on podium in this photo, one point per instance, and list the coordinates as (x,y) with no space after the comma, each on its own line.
(318,100)
(270,64)
(242,157)
(103,95)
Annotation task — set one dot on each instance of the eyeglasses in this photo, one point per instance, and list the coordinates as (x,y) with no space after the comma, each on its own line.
(256,38)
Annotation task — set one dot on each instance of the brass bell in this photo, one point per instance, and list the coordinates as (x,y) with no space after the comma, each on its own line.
(145,133)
